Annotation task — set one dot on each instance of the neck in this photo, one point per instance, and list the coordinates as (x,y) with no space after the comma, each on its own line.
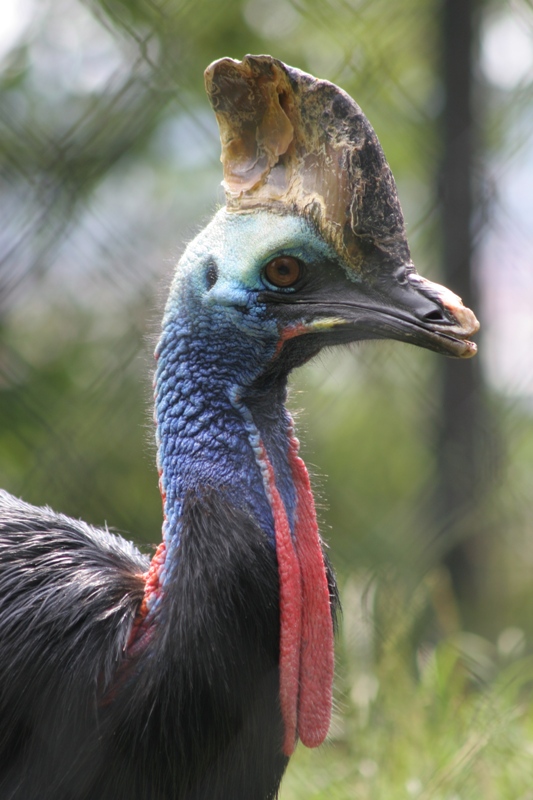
(214,432)
(211,428)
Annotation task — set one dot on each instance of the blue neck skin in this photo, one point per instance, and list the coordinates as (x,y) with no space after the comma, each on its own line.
(217,339)
(208,435)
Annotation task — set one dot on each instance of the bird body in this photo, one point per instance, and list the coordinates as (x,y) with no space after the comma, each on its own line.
(82,718)
(192,676)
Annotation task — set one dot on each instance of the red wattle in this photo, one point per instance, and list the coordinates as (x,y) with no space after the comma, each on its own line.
(306,660)
(290,609)
(317,646)
(151,589)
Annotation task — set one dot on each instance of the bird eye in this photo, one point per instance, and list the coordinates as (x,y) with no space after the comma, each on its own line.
(283,271)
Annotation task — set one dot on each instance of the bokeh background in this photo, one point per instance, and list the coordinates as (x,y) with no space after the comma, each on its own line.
(109,163)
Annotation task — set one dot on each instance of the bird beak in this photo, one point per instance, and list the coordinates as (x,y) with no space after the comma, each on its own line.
(439,320)
(401,306)
(416,311)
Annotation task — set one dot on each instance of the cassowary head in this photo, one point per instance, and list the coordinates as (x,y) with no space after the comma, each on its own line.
(310,249)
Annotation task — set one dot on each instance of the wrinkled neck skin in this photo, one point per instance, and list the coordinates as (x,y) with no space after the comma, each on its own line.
(212,424)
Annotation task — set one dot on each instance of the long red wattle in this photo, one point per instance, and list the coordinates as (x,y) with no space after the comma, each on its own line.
(290,609)
(306,627)
(317,658)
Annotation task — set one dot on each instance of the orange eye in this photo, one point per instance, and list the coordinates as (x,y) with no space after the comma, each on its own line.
(283,271)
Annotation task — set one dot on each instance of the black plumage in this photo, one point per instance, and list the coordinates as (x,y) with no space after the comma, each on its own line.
(185,724)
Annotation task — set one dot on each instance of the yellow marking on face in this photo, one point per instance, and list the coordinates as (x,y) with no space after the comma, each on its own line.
(324,324)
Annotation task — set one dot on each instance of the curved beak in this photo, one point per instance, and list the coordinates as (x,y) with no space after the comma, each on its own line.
(412,310)
(444,324)
(401,306)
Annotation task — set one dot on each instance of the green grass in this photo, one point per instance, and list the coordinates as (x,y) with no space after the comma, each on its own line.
(451,720)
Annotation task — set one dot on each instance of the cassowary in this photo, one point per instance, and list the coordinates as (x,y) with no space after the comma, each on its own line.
(192,676)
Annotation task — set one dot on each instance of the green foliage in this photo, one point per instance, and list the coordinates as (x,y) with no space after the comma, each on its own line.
(55,450)
(368,436)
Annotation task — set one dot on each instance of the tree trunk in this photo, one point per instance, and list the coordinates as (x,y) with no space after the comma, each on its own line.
(459,481)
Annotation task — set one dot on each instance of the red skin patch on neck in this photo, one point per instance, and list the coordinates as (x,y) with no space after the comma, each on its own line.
(152,587)
(289,333)
(317,658)
(306,661)
(151,590)
(290,609)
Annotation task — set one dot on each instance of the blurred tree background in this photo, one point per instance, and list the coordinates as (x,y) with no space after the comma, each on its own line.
(109,163)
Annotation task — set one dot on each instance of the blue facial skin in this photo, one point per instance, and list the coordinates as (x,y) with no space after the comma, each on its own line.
(217,338)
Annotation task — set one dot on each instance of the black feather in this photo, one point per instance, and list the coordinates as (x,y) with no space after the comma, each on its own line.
(68,596)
